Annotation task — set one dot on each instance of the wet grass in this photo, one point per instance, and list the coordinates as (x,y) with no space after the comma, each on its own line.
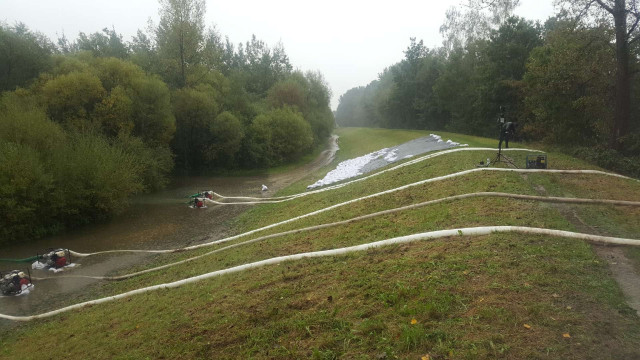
(459,298)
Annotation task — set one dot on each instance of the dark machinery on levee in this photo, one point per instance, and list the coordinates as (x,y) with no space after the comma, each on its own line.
(507,131)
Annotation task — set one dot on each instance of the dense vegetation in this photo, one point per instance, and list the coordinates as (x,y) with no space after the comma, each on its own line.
(85,124)
(557,80)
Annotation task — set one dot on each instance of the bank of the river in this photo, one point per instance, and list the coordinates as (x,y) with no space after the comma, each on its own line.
(153,221)
(495,296)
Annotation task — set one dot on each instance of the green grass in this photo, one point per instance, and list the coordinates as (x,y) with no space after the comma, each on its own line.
(470,296)
(355,142)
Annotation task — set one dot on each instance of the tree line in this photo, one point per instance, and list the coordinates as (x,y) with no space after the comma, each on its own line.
(570,82)
(87,123)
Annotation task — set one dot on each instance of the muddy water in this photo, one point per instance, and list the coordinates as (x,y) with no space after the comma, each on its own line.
(159,221)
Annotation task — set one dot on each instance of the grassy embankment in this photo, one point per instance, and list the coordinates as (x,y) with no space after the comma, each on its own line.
(461,297)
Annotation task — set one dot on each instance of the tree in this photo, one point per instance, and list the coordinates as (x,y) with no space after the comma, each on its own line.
(475,21)
(279,135)
(179,37)
(213,51)
(70,99)
(569,87)
(144,52)
(429,113)
(195,111)
(23,55)
(350,111)
(288,92)
(226,138)
(263,66)
(291,135)
(459,89)
(406,87)
(317,112)
(625,17)
(108,43)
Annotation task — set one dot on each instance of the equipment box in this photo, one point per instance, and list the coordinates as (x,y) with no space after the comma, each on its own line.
(537,161)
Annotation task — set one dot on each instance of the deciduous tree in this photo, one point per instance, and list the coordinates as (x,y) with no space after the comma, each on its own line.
(625,17)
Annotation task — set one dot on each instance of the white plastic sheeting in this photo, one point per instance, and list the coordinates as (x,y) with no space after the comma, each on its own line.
(473,231)
(350,168)
(369,162)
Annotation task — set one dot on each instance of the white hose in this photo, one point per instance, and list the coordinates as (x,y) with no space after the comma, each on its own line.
(473,231)
(442,178)
(421,182)
(337,186)
(363,217)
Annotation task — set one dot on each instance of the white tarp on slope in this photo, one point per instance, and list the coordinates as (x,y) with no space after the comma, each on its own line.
(375,160)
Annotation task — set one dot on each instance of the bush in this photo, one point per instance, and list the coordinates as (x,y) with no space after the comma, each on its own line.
(22,122)
(279,135)
(156,162)
(227,134)
(71,98)
(195,111)
(609,159)
(24,189)
(291,134)
(50,179)
(93,179)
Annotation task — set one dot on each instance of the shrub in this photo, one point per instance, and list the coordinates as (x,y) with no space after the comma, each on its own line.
(609,159)
(93,179)
(24,188)
(291,135)
(227,134)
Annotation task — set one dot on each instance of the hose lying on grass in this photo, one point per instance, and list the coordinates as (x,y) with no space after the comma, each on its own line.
(364,217)
(465,172)
(337,186)
(421,182)
(473,231)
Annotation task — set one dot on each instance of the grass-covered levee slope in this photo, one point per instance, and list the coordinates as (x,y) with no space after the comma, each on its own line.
(509,296)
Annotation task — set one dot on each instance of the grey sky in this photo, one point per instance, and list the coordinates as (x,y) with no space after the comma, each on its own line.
(350,42)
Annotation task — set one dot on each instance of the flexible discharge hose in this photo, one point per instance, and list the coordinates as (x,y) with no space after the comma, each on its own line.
(364,217)
(26,260)
(421,182)
(465,172)
(473,231)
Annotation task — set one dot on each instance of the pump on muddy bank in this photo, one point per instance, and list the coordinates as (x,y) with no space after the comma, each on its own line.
(198,203)
(53,259)
(199,198)
(203,194)
(14,282)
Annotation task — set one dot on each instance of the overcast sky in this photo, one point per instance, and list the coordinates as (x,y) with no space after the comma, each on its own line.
(350,42)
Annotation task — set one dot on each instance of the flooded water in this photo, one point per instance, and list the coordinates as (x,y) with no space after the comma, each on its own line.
(158,221)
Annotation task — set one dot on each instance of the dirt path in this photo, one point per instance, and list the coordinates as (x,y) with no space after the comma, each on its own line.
(621,268)
(280,181)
